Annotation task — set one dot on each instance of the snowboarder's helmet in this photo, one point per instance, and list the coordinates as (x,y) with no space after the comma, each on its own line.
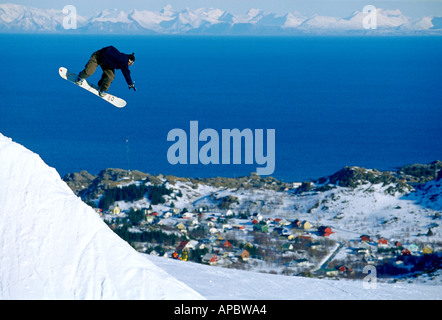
(132,58)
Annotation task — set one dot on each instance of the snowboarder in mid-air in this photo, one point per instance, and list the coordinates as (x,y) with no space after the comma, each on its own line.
(109,59)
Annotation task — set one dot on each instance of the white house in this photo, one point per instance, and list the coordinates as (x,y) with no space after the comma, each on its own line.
(227,226)
(188,215)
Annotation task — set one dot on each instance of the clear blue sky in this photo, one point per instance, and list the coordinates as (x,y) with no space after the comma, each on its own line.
(340,8)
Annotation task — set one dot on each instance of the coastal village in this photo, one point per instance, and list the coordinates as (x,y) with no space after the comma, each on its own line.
(252,229)
(271,245)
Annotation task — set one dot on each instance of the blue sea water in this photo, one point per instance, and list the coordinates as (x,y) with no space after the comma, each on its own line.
(374,102)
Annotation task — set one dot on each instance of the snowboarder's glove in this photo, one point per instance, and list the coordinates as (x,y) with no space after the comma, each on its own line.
(132,86)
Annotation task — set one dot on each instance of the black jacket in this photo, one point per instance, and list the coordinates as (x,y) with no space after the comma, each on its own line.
(111,58)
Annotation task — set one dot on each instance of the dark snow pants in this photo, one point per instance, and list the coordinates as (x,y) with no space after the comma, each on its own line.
(108,74)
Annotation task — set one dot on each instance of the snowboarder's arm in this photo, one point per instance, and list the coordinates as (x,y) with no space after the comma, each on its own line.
(126,73)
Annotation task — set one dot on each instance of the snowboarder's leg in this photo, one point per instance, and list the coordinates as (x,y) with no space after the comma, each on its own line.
(106,79)
(90,67)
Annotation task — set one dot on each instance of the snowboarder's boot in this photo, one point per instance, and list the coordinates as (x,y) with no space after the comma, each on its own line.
(79,81)
(102,93)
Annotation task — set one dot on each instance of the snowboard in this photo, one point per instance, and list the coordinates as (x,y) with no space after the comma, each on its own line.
(92,88)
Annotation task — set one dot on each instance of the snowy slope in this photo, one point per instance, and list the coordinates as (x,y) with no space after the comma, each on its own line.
(429,195)
(53,246)
(217,283)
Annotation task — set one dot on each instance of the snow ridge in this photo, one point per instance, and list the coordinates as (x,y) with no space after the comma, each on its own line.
(53,246)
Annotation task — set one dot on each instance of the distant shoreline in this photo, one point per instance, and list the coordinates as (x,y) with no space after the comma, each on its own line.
(412,174)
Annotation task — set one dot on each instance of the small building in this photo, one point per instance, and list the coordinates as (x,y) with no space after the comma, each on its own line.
(227,226)
(187,245)
(344,269)
(248,245)
(260,227)
(297,263)
(210,258)
(331,272)
(370,259)
(167,214)
(364,238)
(193,223)
(413,248)
(315,245)
(325,231)
(382,242)
(245,255)
(226,244)
(181,246)
(202,244)
(301,262)
(303,238)
(363,248)
(427,250)
(188,215)
(117,210)
(239,227)
(210,224)
(149,219)
(184,255)
(306,225)
(298,224)
(180,226)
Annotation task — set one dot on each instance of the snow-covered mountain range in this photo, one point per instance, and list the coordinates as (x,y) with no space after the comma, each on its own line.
(18,18)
